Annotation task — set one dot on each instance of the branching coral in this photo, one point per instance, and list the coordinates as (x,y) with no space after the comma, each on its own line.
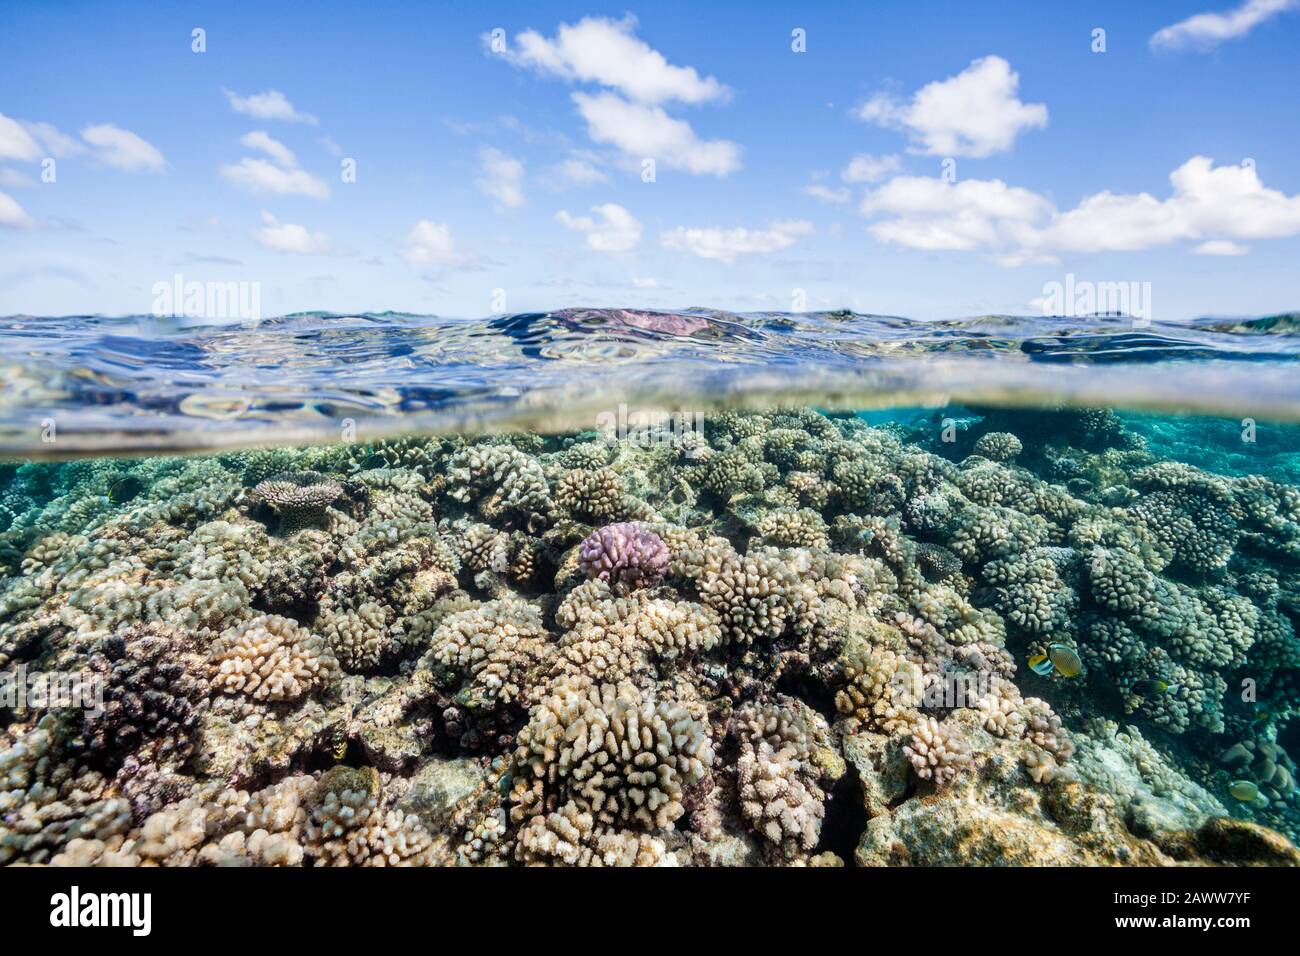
(595,494)
(272,659)
(614,752)
(802,528)
(300,499)
(780,795)
(625,554)
(497,647)
(154,686)
(883,691)
(757,596)
(45,802)
(504,482)
(998,446)
(1265,764)
(349,826)
(569,836)
(620,637)
(361,638)
(936,754)
(1031,594)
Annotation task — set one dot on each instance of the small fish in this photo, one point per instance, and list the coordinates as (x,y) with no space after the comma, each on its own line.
(1064,659)
(1060,658)
(1154,687)
(1040,665)
(1244,790)
(124,489)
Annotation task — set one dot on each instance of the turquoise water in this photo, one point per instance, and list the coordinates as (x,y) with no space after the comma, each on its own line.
(611,586)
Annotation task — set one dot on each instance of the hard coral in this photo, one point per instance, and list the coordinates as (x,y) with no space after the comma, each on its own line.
(301,499)
(272,659)
(615,752)
(624,554)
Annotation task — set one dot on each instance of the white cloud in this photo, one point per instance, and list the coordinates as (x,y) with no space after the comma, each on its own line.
(975,113)
(575,171)
(1221,247)
(260,176)
(287,237)
(1208,202)
(726,245)
(13,215)
(13,179)
(924,213)
(642,131)
(263,142)
(617,230)
(1213,205)
(501,177)
(825,193)
(636,81)
(123,149)
(269,105)
(644,282)
(604,51)
(57,143)
(16,142)
(1204,31)
(865,168)
(281,176)
(430,243)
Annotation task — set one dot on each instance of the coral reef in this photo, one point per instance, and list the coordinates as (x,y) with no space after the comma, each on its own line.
(789,638)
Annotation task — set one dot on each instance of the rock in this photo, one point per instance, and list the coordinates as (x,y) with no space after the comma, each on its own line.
(881,767)
(725,848)
(880,845)
(242,752)
(1228,841)
(1149,815)
(391,749)
(992,814)
(437,786)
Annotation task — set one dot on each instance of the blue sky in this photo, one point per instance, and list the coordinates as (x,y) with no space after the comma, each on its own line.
(513,179)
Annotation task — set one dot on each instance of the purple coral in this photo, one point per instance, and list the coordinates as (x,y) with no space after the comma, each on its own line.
(624,555)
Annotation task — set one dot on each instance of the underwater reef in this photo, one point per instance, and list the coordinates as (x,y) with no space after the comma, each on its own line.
(789,638)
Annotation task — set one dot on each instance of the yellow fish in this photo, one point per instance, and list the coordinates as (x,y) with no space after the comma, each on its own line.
(1060,658)
(1040,665)
(1154,687)
(1064,659)
(1244,790)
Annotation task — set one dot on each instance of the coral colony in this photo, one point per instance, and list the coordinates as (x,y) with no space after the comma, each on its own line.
(780,638)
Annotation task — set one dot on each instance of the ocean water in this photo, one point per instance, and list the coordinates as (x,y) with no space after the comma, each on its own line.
(643,588)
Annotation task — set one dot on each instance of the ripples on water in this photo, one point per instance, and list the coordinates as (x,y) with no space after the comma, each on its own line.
(139,383)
